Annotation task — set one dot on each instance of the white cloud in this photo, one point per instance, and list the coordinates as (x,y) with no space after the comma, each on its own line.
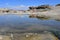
(15,7)
(19,7)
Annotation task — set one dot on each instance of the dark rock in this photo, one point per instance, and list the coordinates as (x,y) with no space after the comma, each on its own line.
(41,7)
(58,5)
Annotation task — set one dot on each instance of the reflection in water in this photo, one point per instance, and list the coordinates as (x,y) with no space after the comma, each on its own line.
(45,17)
(41,18)
(25,23)
(57,19)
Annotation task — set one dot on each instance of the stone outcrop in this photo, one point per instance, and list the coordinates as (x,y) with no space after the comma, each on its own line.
(6,10)
(58,5)
(35,36)
(40,7)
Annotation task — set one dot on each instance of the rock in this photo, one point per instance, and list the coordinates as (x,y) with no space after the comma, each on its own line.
(40,7)
(58,5)
(36,36)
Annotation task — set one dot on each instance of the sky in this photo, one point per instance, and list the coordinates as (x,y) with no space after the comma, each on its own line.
(26,3)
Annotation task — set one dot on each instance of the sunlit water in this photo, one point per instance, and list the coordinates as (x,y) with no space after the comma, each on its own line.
(24,23)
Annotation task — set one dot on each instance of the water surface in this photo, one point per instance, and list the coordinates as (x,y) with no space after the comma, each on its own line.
(19,23)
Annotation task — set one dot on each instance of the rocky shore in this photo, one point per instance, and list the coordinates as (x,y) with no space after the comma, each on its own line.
(46,11)
(29,36)
(35,36)
(38,11)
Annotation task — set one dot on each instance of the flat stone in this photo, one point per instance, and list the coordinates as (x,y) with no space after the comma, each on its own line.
(27,36)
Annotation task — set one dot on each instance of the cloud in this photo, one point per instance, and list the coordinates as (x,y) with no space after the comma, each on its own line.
(19,7)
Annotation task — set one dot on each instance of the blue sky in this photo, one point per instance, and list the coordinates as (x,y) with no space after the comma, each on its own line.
(23,3)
